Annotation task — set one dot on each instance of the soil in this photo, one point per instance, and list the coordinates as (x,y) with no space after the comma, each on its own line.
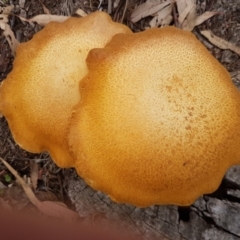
(225,25)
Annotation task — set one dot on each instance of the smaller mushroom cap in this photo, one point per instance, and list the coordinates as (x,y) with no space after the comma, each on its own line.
(159,119)
(38,95)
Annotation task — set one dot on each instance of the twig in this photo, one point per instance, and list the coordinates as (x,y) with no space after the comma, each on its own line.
(109,6)
(124,11)
(175,17)
(99,5)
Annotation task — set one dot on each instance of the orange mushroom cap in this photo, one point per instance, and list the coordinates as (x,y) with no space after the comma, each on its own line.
(38,95)
(159,120)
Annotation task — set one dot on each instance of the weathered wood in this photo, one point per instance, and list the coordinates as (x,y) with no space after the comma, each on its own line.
(208,218)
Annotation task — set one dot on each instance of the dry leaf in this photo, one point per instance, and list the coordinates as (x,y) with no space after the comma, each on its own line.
(219,42)
(9,35)
(46,196)
(21,3)
(116,3)
(163,17)
(45,10)
(187,11)
(7,32)
(188,19)
(205,16)
(184,8)
(44,19)
(187,14)
(5,13)
(53,209)
(34,174)
(148,8)
(6,10)
(3,18)
(81,13)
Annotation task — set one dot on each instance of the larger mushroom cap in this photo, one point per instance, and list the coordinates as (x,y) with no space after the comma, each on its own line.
(159,120)
(38,95)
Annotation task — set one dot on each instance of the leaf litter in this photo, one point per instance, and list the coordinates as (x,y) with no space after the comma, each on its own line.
(41,19)
(187,14)
(187,19)
(149,8)
(7,31)
(161,10)
(162,18)
(44,19)
(45,9)
(49,208)
(219,42)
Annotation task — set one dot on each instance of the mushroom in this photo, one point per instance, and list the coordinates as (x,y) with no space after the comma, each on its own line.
(38,95)
(159,119)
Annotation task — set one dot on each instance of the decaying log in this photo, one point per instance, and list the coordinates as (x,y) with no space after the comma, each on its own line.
(215,216)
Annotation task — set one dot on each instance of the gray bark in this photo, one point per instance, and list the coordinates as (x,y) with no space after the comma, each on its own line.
(216,216)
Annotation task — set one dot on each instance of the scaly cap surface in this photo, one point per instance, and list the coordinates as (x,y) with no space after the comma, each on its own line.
(38,95)
(159,120)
